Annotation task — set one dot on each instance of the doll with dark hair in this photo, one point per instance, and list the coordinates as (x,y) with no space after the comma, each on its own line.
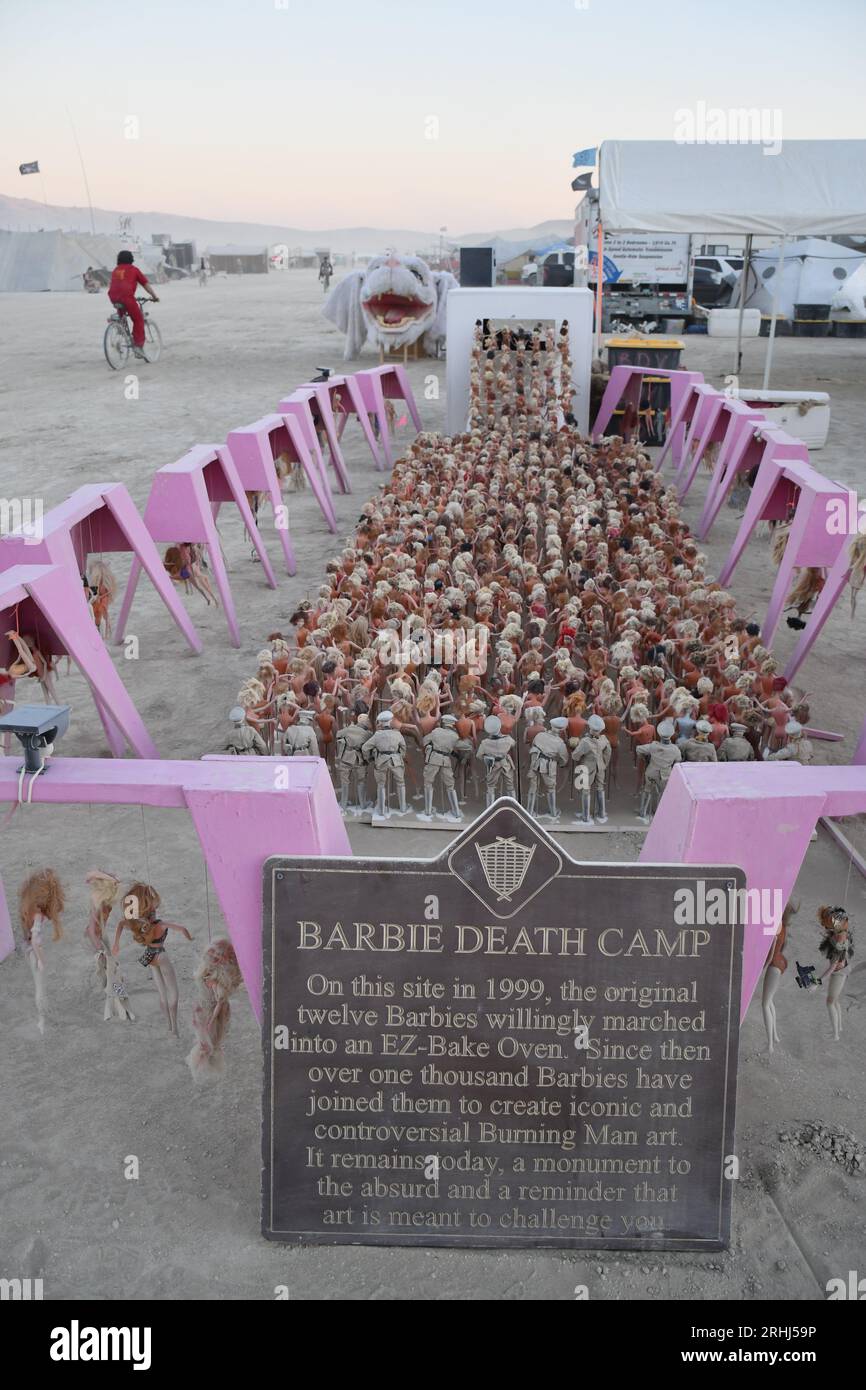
(837,948)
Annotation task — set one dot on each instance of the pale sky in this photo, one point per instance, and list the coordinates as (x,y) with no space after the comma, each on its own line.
(317,115)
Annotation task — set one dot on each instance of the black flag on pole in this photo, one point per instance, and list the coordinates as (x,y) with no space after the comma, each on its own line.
(32,168)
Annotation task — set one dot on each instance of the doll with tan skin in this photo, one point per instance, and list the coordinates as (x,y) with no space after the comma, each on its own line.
(140,909)
(104,891)
(41,901)
(32,663)
(837,948)
(777,964)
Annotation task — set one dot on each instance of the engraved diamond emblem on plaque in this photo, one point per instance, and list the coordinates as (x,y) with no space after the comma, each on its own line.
(505,864)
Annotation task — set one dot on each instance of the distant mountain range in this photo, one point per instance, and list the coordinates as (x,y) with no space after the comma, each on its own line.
(28,215)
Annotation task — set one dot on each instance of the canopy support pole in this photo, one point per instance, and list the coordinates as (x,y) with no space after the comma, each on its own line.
(744,282)
(599,291)
(780,270)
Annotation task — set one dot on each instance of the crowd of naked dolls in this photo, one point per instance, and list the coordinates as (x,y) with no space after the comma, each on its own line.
(519,609)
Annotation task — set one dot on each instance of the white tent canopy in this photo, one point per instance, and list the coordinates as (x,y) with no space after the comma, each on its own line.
(792,188)
(808,188)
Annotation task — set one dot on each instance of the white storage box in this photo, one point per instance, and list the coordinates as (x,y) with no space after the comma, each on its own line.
(724,322)
(805,415)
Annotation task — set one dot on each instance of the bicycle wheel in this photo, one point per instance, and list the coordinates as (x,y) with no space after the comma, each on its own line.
(152,341)
(116,345)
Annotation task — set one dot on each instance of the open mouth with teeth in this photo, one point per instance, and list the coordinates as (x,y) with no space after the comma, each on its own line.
(393,312)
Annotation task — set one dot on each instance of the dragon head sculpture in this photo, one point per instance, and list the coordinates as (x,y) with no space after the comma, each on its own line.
(392,303)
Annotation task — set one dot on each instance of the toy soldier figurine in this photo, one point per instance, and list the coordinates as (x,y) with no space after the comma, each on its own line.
(299,740)
(243,739)
(591,757)
(547,753)
(439,749)
(736,748)
(699,749)
(662,757)
(386,750)
(350,761)
(798,749)
(495,752)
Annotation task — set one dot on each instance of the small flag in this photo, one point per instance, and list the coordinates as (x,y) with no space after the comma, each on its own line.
(585,159)
(32,168)
(583,183)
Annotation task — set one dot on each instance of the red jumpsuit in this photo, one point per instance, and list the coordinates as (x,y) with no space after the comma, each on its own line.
(125,280)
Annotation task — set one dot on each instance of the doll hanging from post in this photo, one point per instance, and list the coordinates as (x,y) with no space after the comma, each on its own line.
(837,948)
(41,900)
(218,977)
(777,964)
(104,891)
(140,916)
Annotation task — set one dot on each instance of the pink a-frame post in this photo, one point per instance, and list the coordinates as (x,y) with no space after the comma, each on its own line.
(40,600)
(626,387)
(99,519)
(756,817)
(184,500)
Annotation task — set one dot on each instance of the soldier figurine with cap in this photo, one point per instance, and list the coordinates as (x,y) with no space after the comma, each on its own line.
(736,748)
(662,757)
(300,740)
(699,749)
(547,754)
(243,741)
(386,750)
(495,752)
(591,756)
(349,760)
(439,757)
(798,749)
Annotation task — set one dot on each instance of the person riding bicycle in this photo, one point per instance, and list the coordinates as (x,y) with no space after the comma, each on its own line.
(125,279)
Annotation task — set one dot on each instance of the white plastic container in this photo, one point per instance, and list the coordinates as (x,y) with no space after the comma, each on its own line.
(805,415)
(723,323)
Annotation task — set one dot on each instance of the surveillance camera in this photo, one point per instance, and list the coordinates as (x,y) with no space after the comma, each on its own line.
(37,728)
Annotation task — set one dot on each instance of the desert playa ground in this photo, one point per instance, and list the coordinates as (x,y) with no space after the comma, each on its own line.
(80,1100)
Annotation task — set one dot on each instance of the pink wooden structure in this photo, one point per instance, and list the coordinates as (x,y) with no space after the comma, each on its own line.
(256,448)
(99,519)
(689,399)
(720,420)
(243,817)
(45,601)
(387,383)
(837,582)
(340,396)
(317,416)
(756,817)
(741,451)
(185,498)
(793,489)
(625,388)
